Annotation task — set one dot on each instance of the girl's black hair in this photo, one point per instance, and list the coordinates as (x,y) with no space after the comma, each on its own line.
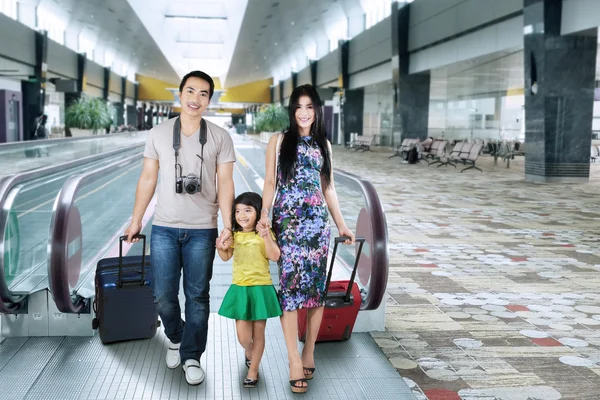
(289,145)
(248,199)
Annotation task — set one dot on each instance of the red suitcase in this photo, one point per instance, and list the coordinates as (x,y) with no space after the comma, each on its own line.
(342,303)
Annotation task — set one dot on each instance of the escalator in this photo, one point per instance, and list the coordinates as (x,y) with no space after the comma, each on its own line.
(26,202)
(19,157)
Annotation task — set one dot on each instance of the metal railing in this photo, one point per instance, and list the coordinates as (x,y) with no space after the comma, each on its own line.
(10,302)
(65,240)
(371,223)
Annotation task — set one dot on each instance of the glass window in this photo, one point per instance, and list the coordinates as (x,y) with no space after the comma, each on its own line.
(9,8)
(336,32)
(48,21)
(86,45)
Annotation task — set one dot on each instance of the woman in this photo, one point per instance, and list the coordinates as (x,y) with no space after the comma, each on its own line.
(300,221)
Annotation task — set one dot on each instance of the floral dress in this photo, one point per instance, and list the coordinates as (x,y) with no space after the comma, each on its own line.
(301,225)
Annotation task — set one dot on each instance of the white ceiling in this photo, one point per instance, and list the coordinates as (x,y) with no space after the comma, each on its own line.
(276,33)
(193,34)
(238,41)
(114,26)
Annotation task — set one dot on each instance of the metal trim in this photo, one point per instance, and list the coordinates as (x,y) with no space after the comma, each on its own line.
(379,247)
(58,280)
(9,303)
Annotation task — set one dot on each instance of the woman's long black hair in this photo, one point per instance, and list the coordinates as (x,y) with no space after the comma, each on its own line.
(289,145)
(248,199)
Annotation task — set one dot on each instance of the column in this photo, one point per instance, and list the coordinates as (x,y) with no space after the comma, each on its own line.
(106,88)
(559,96)
(281,92)
(411,91)
(352,101)
(121,106)
(34,89)
(294,80)
(313,72)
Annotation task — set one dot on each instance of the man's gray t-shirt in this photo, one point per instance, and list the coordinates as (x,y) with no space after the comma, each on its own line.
(183,210)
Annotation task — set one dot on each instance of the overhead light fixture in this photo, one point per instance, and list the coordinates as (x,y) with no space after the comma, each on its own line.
(201,17)
(200,42)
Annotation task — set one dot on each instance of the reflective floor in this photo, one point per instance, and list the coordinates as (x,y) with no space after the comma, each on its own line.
(494,287)
(82,368)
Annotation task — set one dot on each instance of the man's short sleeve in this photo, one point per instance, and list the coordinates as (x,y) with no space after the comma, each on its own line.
(227,151)
(150,150)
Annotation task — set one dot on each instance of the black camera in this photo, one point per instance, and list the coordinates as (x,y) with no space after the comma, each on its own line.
(191,183)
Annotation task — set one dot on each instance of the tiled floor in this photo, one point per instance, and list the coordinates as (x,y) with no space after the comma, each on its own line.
(494,285)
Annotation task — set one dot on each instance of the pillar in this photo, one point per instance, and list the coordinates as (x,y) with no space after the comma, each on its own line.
(411,91)
(559,95)
(352,101)
(34,89)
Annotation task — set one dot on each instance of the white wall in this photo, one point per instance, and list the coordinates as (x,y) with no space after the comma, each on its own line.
(579,15)
(498,37)
(13,85)
(328,68)
(304,76)
(434,20)
(371,47)
(62,60)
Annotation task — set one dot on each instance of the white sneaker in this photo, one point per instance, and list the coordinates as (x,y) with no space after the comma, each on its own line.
(173,358)
(194,374)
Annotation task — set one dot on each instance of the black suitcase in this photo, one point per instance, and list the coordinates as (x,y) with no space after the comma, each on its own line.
(124,304)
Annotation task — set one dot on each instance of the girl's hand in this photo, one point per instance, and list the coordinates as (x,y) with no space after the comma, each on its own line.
(264,220)
(263,231)
(224,245)
(344,231)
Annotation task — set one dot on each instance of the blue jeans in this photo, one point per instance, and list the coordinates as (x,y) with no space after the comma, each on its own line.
(193,250)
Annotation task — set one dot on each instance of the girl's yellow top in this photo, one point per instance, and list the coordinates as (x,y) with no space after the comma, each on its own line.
(250,262)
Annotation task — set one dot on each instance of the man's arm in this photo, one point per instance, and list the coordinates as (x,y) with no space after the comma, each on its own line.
(225,195)
(143,194)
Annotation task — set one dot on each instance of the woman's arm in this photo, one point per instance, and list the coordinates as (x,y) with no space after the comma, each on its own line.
(334,205)
(268,192)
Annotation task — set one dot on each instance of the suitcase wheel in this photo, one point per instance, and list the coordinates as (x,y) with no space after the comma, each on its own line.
(95,323)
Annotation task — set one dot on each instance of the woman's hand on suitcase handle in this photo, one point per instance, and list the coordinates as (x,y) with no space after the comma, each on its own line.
(344,231)
(133,230)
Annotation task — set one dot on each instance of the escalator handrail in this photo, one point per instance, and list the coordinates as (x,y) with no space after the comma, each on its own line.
(28,144)
(58,279)
(379,247)
(10,303)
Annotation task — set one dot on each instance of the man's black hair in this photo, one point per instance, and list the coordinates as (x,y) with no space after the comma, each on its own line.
(201,75)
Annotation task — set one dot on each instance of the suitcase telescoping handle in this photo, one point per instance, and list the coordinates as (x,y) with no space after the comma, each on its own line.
(338,240)
(121,239)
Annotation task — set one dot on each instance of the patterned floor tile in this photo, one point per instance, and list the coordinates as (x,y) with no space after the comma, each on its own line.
(494,290)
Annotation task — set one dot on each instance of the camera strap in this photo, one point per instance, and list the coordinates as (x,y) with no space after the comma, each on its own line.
(177,142)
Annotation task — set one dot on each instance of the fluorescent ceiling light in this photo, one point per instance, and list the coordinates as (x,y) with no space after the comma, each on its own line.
(195,17)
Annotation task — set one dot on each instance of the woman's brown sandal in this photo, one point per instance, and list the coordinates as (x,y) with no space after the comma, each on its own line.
(298,389)
(310,373)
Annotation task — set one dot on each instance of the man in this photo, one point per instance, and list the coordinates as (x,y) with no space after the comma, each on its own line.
(184,230)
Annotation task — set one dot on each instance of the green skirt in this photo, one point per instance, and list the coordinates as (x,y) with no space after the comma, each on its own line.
(250,303)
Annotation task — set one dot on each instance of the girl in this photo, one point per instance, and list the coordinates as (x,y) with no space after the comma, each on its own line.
(251,298)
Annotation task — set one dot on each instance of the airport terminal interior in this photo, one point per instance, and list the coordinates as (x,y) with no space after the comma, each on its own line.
(465,139)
